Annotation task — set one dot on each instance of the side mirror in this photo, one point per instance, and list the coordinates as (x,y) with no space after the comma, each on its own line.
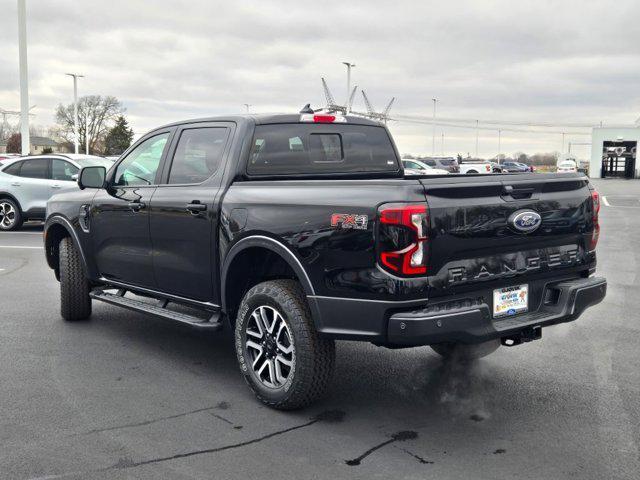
(92,177)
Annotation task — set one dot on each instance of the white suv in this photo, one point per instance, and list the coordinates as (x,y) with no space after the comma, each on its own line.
(26,183)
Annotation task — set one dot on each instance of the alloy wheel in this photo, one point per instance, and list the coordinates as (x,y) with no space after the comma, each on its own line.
(269,347)
(7,215)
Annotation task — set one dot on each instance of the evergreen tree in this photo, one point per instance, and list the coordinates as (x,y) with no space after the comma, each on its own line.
(119,137)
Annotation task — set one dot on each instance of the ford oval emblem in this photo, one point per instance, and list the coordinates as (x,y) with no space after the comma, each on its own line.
(525,221)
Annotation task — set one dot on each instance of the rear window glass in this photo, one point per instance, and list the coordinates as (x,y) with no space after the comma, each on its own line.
(13,169)
(320,148)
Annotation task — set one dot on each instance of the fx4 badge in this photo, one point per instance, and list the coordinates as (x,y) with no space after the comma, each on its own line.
(349,220)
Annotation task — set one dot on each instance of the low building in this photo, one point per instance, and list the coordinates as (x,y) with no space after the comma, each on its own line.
(39,144)
(613,152)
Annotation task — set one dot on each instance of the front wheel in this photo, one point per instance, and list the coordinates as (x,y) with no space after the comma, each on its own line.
(462,351)
(75,303)
(283,358)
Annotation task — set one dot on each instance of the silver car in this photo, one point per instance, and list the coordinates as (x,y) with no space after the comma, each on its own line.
(26,183)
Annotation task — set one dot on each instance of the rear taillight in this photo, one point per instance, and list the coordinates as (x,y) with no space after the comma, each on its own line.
(595,205)
(403,238)
(488,168)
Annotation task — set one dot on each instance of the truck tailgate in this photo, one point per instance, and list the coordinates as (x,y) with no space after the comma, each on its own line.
(473,238)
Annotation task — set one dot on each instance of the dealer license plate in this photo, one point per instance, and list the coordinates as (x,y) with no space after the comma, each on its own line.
(509,301)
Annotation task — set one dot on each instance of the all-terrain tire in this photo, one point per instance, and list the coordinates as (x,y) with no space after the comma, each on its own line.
(465,352)
(75,303)
(314,356)
(14,218)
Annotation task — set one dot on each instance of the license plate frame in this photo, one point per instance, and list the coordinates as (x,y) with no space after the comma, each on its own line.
(511,300)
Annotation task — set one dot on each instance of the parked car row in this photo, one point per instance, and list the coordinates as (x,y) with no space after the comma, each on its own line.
(446,165)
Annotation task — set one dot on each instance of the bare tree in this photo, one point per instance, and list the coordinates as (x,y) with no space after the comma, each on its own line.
(96,115)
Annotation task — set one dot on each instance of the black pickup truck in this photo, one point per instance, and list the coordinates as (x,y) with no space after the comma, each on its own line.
(299,230)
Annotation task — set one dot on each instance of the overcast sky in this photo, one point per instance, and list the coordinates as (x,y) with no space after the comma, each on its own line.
(553,62)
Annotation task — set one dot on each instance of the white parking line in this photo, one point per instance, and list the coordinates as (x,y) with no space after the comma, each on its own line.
(19,246)
(24,233)
(605,201)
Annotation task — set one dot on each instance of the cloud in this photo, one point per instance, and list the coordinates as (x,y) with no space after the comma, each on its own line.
(570,61)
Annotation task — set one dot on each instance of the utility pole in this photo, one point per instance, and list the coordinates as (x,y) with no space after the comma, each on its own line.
(499,144)
(349,67)
(562,151)
(76,134)
(24,77)
(433,140)
(247,105)
(442,144)
(477,136)
(86,132)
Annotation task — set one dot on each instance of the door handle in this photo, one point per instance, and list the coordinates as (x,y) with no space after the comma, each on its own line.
(56,186)
(15,184)
(136,206)
(196,207)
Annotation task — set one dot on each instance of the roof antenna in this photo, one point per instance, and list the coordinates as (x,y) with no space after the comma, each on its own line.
(307,109)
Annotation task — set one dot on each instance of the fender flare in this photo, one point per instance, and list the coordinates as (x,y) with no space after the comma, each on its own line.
(270,244)
(66,224)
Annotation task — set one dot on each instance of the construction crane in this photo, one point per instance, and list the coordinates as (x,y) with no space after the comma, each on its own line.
(332,106)
(371,112)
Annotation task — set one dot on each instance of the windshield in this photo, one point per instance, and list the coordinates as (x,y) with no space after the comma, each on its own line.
(95,162)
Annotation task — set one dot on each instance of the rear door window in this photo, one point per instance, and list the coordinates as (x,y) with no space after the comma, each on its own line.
(282,149)
(198,154)
(36,168)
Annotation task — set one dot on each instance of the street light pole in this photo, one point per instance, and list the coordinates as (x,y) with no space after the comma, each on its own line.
(76,134)
(24,77)
(433,140)
(477,137)
(247,105)
(86,133)
(499,144)
(349,66)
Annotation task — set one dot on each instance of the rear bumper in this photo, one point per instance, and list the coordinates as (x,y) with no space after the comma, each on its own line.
(473,323)
(465,319)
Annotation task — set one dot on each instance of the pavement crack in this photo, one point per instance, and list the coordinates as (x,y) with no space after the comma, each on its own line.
(396,437)
(148,422)
(417,457)
(220,417)
(329,416)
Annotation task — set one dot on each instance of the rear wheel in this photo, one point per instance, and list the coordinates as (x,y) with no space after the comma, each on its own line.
(10,215)
(461,351)
(75,303)
(283,358)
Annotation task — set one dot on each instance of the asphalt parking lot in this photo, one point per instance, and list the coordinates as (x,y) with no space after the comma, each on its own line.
(125,396)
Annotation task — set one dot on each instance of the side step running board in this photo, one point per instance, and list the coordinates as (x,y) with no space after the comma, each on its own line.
(161,311)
